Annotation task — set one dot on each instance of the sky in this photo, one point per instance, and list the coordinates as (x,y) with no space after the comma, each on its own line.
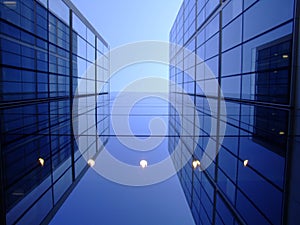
(96,200)
(123,22)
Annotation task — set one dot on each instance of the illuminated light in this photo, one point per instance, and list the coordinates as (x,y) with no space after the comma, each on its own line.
(281,133)
(17,193)
(196,163)
(143,163)
(246,162)
(91,162)
(285,56)
(41,161)
(11,4)
(275,54)
(275,71)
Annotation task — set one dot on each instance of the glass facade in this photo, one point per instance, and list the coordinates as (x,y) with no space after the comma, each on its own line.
(46,48)
(250,47)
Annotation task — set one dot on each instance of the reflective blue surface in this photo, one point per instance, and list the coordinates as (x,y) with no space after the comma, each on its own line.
(247,45)
(36,96)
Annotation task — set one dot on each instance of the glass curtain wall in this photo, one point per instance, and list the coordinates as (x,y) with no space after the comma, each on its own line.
(249,47)
(46,49)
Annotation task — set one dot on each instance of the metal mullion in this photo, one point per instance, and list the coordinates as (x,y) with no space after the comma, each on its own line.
(218,114)
(96,92)
(290,174)
(49,109)
(71,92)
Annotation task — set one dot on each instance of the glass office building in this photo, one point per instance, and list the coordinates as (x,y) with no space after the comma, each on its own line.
(46,47)
(252,49)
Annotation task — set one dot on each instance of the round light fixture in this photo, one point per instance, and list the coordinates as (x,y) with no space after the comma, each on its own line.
(196,163)
(41,161)
(143,163)
(91,162)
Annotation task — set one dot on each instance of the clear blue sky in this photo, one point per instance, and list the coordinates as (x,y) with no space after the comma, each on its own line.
(122,22)
(96,200)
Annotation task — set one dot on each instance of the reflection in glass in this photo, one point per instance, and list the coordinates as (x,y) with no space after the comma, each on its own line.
(272,81)
(40,159)
(247,180)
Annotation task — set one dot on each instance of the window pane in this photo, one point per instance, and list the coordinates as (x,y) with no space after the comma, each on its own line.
(212,27)
(257,19)
(232,34)
(231,62)
(231,86)
(79,27)
(231,10)
(251,48)
(212,47)
(60,9)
